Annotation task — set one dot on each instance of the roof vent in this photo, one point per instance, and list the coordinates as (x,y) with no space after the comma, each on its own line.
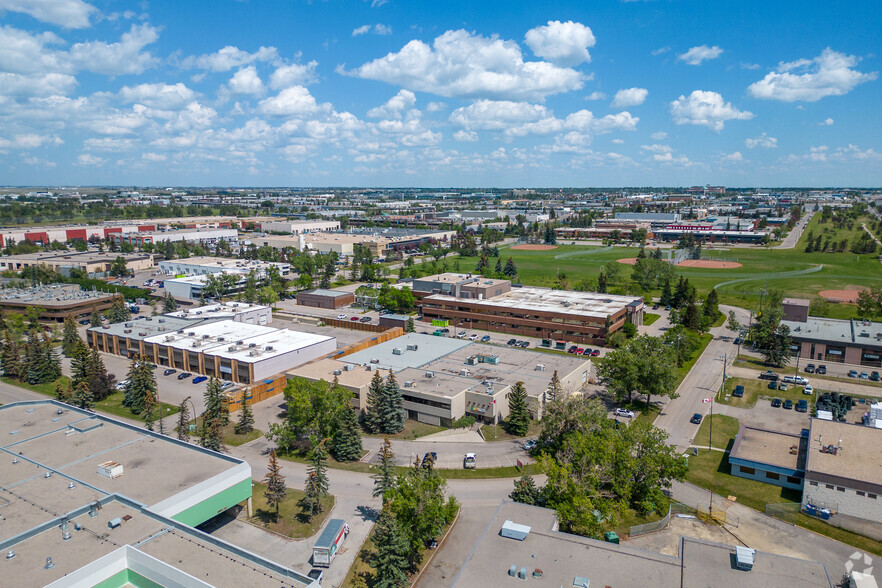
(337,372)
(397,351)
(348,367)
(110,469)
(430,374)
(268,348)
(408,384)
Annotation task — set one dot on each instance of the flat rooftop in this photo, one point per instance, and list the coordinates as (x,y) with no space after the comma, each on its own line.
(429,348)
(220,262)
(326,292)
(837,331)
(220,309)
(769,447)
(591,304)
(323,369)
(52,295)
(151,326)
(448,385)
(562,558)
(858,456)
(74,257)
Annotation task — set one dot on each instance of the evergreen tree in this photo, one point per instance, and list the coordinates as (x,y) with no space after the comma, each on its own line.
(510,269)
(142,386)
(60,392)
(127,389)
(810,242)
(49,362)
(690,318)
(550,236)
(34,357)
(151,404)
(390,561)
(711,307)
(70,336)
(681,294)
(656,253)
(245,424)
(384,479)
(392,413)
(316,482)
(518,413)
(83,396)
(215,408)
(79,364)
(118,312)
(409,328)
(554,390)
(498,269)
(11,357)
(642,253)
(100,381)
(276,491)
(525,491)
(666,296)
(184,420)
(371,419)
(210,435)
(95,319)
(169,304)
(601,282)
(346,443)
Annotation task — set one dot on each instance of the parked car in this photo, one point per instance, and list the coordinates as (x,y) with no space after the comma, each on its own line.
(595,353)
(580,351)
(810,368)
(425,461)
(782,387)
(696,419)
(461,334)
(624,412)
(85,322)
(169,372)
(365,319)
(737,341)
(587,351)
(199,379)
(852,374)
(773,385)
(529,444)
(122,385)
(808,390)
(473,337)
(821,370)
(776,402)
(470,461)
(802,406)
(184,376)
(524,344)
(655,307)
(738,392)
(341,317)
(485,338)
(227,385)
(788,404)
(768,375)
(354,319)
(572,349)
(864,376)
(668,307)
(512,341)
(798,380)
(874,377)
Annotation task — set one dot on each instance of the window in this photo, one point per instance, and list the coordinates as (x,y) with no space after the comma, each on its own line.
(829,486)
(840,489)
(873,496)
(747,470)
(813,483)
(859,493)
(792,480)
(772,476)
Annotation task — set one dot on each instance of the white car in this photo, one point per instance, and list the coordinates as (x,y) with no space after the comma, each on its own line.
(624,412)
(473,337)
(341,317)
(808,389)
(122,385)
(461,334)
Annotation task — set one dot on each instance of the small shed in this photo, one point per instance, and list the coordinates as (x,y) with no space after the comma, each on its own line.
(513,530)
(394,320)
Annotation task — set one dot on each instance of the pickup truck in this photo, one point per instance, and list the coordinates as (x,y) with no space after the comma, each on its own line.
(768,375)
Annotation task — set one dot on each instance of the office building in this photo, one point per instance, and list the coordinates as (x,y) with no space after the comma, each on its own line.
(201,266)
(323,298)
(94,264)
(827,340)
(55,301)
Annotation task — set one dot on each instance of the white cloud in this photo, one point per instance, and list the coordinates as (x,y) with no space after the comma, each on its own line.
(395,106)
(36,161)
(113,59)
(163,96)
(596,95)
(701,53)
(21,52)
(661,50)
(826,123)
(49,84)
(295,100)
(378,29)
(33,140)
(618,141)
(629,97)
(659,136)
(707,109)
(294,74)
(155,157)
(750,65)
(465,65)
(497,114)
(382,29)
(809,80)
(764,141)
(89,159)
(246,81)
(70,14)
(230,57)
(664,154)
(436,106)
(563,43)
(362,30)
(735,157)
(622,121)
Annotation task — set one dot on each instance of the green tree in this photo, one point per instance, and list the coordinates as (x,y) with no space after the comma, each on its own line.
(346,442)
(79,364)
(392,413)
(690,318)
(518,413)
(554,391)
(390,561)
(70,336)
(384,479)
(371,419)
(276,490)
(95,319)
(142,386)
(525,491)
(118,267)
(313,412)
(184,420)
(409,328)
(169,304)
(118,312)
(11,357)
(101,382)
(316,482)
(510,269)
(732,324)
(83,396)
(645,365)
(245,424)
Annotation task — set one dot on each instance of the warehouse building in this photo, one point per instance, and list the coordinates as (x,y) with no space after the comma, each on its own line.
(523,544)
(201,266)
(323,298)
(853,341)
(55,301)
(206,236)
(92,501)
(771,457)
(443,379)
(473,302)
(93,263)
(243,312)
(299,227)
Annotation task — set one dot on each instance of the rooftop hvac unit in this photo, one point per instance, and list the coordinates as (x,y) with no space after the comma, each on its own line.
(240,342)
(169,337)
(430,374)
(337,372)
(540,367)
(205,336)
(110,469)
(268,348)
(412,347)
(181,332)
(142,334)
(464,373)
(128,324)
(221,339)
(348,367)
(232,348)
(744,557)
(375,361)
(252,345)
(191,334)
(127,331)
(472,360)
(196,344)
(254,352)
(408,384)
(397,351)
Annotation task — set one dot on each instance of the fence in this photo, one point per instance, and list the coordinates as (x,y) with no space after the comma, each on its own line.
(675,508)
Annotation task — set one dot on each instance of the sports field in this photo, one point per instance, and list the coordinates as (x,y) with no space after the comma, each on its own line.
(795,272)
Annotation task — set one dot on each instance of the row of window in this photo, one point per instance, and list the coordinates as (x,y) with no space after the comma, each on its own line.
(842,489)
(415,400)
(769,475)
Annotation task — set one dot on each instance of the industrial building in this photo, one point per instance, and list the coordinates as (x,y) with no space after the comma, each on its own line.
(243,312)
(201,266)
(852,341)
(522,545)
(443,379)
(493,305)
(229,348)
(771,457)
(91,501)
(299,227)
(93,263)
(207,236)
(322,298)
(55,301)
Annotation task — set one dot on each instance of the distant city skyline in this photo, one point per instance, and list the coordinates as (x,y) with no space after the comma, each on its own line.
(413,94)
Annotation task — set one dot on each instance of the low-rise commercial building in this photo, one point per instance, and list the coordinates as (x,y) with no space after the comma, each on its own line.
(493,305)
(853,341)
(201,266)
(93,263)
(55,301)
(207,236)
(323,298)
(243,312)
(767,456)
(299,227)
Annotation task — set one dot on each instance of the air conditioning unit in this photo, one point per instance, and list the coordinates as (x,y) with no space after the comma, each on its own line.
(375,361)
(268,348)
(127,331)
(232,348)
(430,374)
(221,339)
(408,384)
(397,351)
(412,347)
(337,372)
(252,345)
(540,367)
(205,336)
(191,334)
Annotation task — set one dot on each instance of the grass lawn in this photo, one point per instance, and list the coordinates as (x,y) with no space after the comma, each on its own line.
(413,430)
(725,429)
(683,370)
(650,318)
(352,466)
(478,473)
(632,518)
(291,521)
(111,405)
(498,433)
(228,433)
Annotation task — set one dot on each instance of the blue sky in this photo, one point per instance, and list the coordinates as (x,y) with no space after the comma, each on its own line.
(479,93)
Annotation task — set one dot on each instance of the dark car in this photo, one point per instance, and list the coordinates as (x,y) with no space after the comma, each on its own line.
(788,404)
(821,369)
(737,340)
(768,375)
(365,319)
(655,307)
(776,402)
(433,456)
(696,419)
(595,353)
(523,344)
(572,349)
(810,368)
(802,406)
(184,376)
(199,379)
(874,377)
(85,322)
(668,307)
(169,372)
(587,351)
(485,338)
(738,392)
(773,385)
(512,341)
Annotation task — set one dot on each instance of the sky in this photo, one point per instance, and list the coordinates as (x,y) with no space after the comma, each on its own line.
(440,94)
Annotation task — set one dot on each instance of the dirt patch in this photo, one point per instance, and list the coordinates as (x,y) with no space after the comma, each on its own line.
(536,247)
(848,296)
(709,263)
(628,260)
